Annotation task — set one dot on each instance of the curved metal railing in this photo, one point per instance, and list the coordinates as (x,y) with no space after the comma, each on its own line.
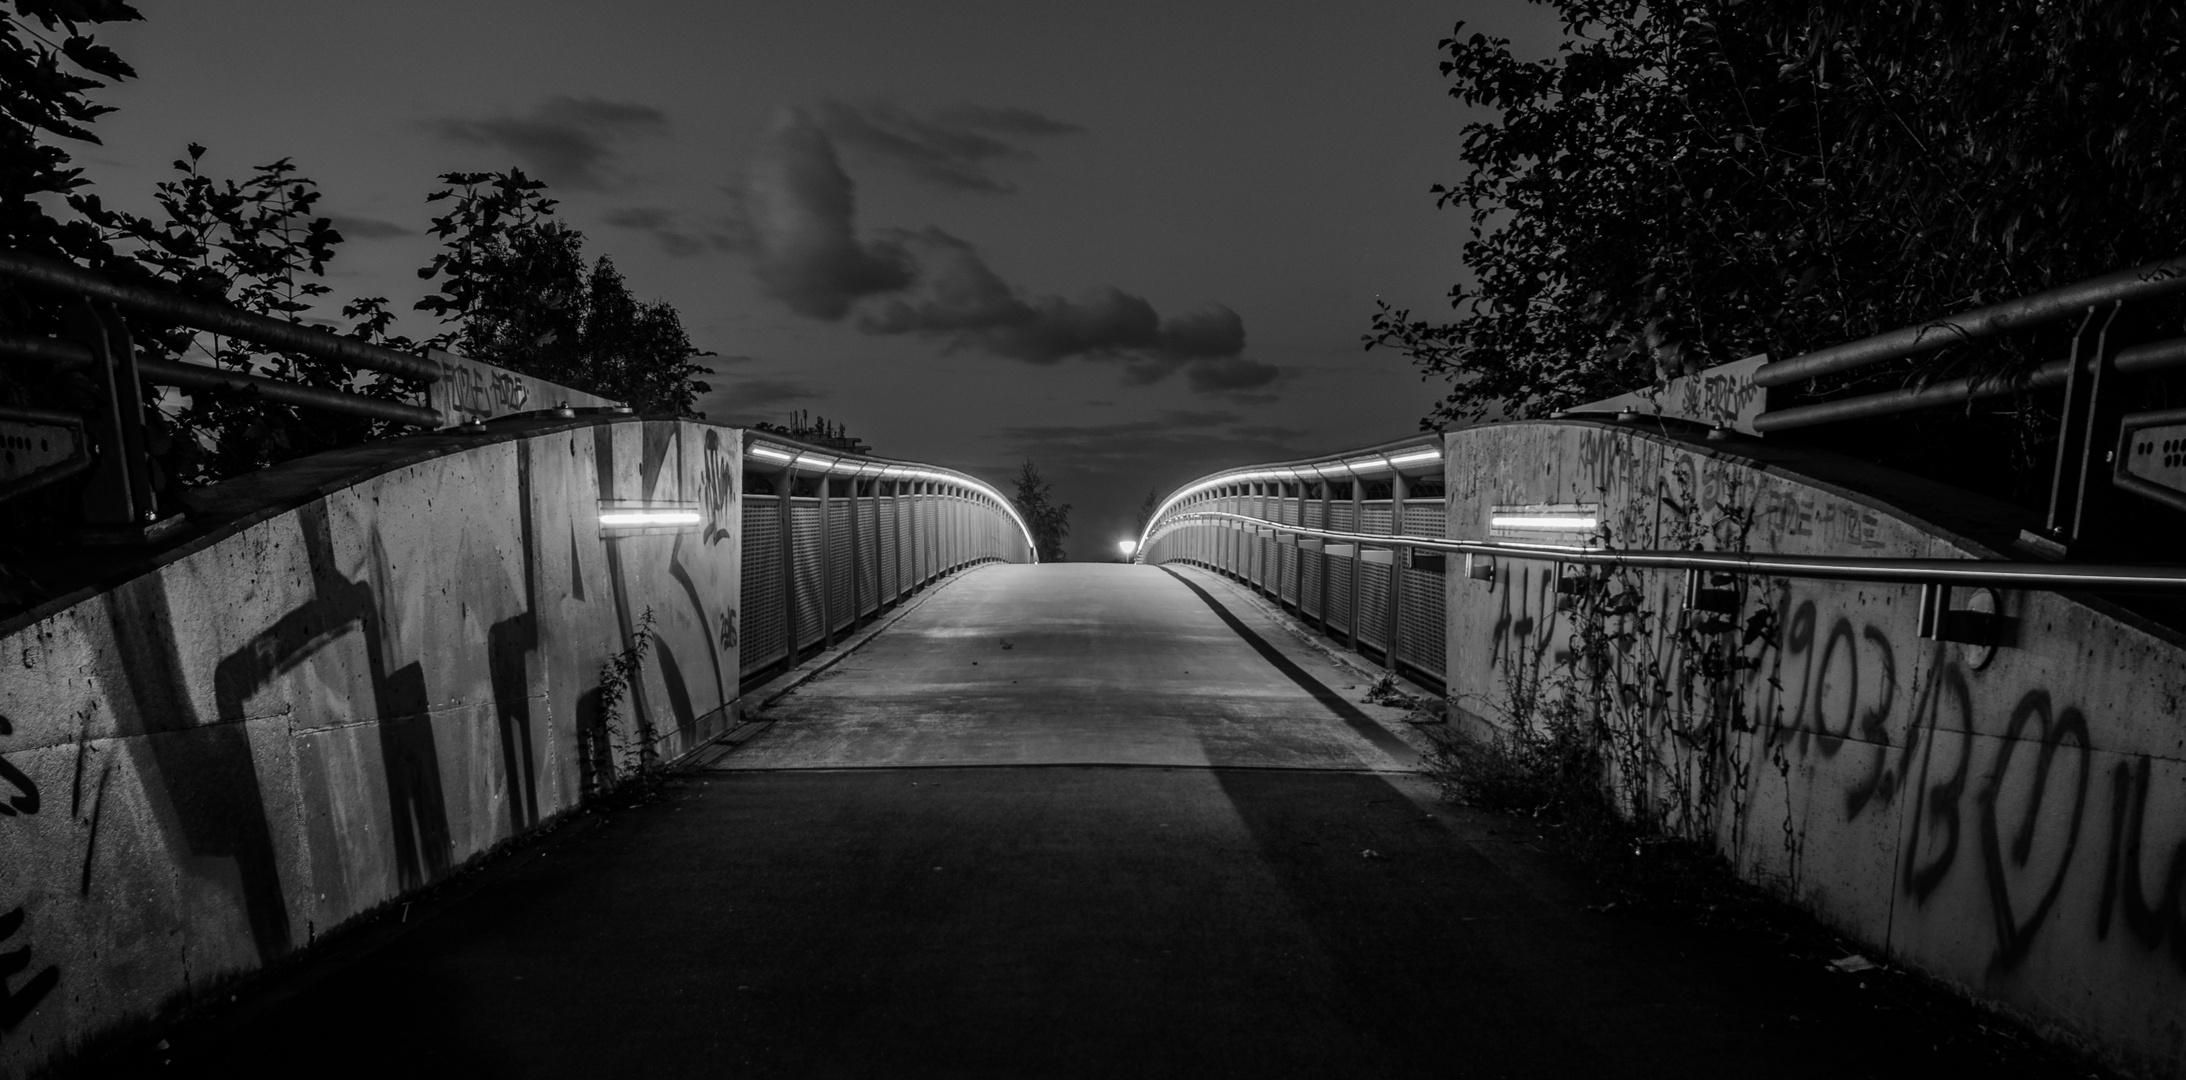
(837,538)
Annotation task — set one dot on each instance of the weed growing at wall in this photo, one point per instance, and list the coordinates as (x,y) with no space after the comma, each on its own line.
(615,765)
(1620,706)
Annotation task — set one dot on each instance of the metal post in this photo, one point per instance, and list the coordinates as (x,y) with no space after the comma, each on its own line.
(788,535)
(1327,501)
(827,561)
(857,591)
(2094,418)
(1358,559)
(1398,489)
(109,500)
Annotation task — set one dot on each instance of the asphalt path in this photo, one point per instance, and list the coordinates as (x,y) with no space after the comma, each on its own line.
(1058,821)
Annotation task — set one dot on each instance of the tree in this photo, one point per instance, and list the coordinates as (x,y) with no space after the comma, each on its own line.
(1693,181)
(515,285)
(1049,523)
(1147,506)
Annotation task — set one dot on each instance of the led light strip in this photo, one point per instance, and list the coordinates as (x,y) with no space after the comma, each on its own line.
(1556,522)
(836,465)
(629,518)
(1353,466)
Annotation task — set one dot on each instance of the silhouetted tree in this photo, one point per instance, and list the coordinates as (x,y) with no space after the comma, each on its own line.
(1049,523)
(515,285)
(1692,181)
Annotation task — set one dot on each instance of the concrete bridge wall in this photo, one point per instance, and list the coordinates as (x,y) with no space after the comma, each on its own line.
(332,700)
(2016,827)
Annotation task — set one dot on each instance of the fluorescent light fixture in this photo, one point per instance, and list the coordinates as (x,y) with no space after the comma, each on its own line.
(1424,455)
(634,518)
(1128,547)
(1548,522)
(770,452)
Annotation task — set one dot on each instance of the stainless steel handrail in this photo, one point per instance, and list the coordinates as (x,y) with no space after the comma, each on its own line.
(2054,576)
(2142,282)
(159,304)
(68,355)
(796,455)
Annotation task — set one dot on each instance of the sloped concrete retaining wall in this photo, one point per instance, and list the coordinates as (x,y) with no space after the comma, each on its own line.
(2014,824)
(321,706)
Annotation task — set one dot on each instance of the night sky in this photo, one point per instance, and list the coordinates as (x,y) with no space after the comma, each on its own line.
(1134,241)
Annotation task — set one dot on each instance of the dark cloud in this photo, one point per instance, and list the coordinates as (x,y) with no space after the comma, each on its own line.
(747,401)
(665,227)
(570,142)
(364,228)
(800,207)
(954,148)
(752,393)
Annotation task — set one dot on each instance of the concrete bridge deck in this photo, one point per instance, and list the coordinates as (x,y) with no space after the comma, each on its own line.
(1154,835)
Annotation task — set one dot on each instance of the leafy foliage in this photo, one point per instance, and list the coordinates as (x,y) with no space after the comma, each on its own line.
(515,284)
(257,245)
(1049,523)
(44,85)
(1693,181)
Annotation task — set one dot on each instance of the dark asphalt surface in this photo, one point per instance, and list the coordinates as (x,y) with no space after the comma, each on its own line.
(1030,920)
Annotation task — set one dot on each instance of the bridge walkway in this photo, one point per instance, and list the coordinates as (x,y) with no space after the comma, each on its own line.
(1153,835)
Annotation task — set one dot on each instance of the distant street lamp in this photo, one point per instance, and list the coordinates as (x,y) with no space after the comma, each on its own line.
(1128,547)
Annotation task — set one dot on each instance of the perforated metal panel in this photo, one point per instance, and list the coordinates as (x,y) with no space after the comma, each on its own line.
(1374,518)
(1339,594)
(1423,517)
(761,637)
(840,564)
(891,574)
(805,547)
(1309,582)
(1374,605)
(1342,517)
(868,562)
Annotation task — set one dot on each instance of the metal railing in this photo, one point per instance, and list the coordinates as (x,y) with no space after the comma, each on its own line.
(2085,428)
(2065,577)
(110,441)
(1375,604)
(838,538)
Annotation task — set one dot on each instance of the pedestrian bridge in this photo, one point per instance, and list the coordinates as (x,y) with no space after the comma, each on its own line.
(950,810)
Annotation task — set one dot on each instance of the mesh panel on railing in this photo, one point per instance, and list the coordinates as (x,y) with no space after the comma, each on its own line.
(805,540)
(761,638)
(868,563)
(1374,518)
(1340,514)
(1286,572)
(839,564)
(1421,626)
(1309,582)
(1374,605)
(1339,594)
(1425,626)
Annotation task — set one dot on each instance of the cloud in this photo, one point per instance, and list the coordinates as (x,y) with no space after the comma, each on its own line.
(666,228)
(799,206)
(750,400)
(800,209)
(568,141)
(955,148)
(364,228)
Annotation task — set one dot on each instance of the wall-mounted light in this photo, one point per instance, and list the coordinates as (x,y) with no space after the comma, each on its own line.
(631,517)
(1555,523)
(1552,522)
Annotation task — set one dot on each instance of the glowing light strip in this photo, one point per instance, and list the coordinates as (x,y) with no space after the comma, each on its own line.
(906,472)
(1355,467)
(1558,522)
(626,518)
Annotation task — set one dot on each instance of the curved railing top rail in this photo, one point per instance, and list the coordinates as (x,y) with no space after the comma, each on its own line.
(1985,572)
(799,456)
(1362,463)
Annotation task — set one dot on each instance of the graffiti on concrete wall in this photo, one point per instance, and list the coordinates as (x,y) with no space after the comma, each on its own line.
(1984,790)
(18,798)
